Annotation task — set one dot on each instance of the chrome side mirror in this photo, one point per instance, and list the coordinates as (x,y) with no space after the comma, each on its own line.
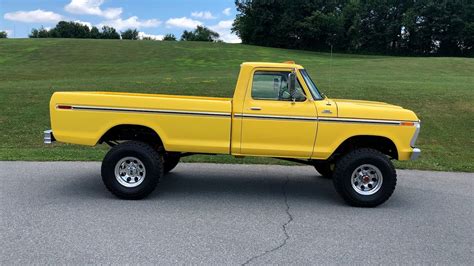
(295,95)
(292,84)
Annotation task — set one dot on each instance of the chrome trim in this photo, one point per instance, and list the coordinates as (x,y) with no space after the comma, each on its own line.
(415,154)
(356,120)
(223,114)
(415,136)
(321,119)
(48,136)
(280,117)
(140,110)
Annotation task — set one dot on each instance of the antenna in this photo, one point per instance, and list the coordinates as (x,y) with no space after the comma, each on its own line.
(330,75)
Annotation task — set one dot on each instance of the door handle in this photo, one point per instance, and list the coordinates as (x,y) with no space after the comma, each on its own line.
(255,108)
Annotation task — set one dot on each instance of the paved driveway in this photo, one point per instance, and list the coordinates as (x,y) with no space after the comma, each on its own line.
(59,212)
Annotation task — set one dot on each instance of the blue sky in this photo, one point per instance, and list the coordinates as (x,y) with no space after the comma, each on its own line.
(151,17)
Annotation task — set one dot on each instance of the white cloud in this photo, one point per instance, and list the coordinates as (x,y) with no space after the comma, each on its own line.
(224,30)
(226,11)
(142,35)
(92,7)
(203,15)
(131,22)
(183,22)
(85,23)
(35,16)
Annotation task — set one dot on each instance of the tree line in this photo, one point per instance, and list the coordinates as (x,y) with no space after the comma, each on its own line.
(402,27)
(65,29)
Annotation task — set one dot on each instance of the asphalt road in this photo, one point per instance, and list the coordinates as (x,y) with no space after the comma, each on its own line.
(59,212)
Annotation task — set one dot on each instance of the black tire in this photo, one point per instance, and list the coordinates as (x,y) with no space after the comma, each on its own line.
(171,160)
(351,162)
(326,169)
(149,158)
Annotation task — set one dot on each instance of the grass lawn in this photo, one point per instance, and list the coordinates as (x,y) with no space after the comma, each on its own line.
(439,90)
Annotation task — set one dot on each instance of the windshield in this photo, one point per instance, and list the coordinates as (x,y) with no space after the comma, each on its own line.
(312,87)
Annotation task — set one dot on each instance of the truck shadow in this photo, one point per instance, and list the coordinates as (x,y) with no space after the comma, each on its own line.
(257,186)
(199,185)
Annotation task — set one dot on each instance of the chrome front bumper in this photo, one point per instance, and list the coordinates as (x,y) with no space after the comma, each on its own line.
(48,137)
(415,154)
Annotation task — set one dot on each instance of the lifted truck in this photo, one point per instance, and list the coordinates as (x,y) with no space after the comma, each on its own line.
(277,111)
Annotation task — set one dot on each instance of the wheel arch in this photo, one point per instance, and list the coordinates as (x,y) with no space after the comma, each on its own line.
(381,143)
(137,132)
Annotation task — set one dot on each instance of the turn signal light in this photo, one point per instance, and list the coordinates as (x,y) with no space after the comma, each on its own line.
(407,123)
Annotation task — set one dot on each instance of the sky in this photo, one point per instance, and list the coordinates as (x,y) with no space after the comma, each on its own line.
(152,18)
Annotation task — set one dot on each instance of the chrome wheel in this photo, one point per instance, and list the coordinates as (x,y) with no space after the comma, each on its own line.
(366,179)
(130,172)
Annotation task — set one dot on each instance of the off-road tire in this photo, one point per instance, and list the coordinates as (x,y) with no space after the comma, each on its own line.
(325,169)
(348,163)
(171,160)
(151,159)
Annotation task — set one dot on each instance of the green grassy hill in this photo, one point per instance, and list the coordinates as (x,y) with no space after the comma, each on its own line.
(439,90)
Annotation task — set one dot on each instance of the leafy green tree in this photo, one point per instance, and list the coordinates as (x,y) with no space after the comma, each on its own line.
(3,35)
(201,34)
(130,34)
(39,33)
(95,34)
(169,37)
(109,33)
(34,33)
(70,29)
(425,27)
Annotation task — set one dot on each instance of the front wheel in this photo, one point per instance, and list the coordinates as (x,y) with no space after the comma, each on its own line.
(131,170)
(365,178)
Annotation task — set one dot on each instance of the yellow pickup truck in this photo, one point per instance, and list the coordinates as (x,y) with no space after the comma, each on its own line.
(277,111)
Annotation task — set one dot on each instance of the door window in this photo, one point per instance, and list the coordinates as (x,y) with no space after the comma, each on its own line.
(274,86)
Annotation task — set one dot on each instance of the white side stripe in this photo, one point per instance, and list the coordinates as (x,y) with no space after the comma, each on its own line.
(139,110)
(224,114)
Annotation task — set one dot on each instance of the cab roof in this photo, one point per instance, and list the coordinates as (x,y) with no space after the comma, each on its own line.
(287,64)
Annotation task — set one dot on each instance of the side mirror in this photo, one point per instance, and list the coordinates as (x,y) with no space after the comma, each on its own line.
(295,96)
(292,83)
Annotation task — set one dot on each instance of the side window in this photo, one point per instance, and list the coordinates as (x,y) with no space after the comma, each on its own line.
(274,86)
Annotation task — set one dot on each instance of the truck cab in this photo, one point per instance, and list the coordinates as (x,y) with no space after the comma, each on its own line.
(276,111)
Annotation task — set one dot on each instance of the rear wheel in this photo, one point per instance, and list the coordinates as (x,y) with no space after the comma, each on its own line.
(365,178)
(171,160)
(131,170)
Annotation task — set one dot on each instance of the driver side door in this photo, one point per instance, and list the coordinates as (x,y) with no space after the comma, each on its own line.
(274,125)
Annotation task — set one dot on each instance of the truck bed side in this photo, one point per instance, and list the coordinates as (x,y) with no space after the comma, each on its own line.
(187,124)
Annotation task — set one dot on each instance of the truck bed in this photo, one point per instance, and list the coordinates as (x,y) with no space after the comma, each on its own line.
(185,123)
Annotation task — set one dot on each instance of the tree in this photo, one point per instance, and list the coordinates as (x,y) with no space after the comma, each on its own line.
(130,34)
(169,37)
(3,35)
(109,33)
(76,30)
(201,33)
(39,33)
(95,34)
(425,27)
(70,29)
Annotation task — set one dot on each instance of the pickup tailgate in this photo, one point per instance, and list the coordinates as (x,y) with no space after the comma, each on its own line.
(184,123)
